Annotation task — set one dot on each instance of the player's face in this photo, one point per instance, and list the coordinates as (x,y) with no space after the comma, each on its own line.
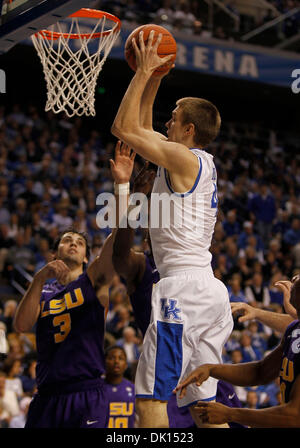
(72,248)
(174,126)
(115,362)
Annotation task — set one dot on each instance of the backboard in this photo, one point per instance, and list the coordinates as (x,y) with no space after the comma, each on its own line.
(22,18)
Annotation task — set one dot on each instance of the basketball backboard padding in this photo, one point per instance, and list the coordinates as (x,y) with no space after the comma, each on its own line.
(32,16)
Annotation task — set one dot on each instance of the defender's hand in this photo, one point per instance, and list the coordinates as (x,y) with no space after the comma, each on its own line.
(198,376)
(55,269)
(121,167)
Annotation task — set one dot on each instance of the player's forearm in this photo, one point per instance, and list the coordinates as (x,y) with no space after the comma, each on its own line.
(124,238)
(127,120)
(29,307)
(276,321)
(147,102)
(283,416)
(245,374)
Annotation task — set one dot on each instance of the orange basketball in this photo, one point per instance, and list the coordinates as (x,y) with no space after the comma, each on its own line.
(166,47)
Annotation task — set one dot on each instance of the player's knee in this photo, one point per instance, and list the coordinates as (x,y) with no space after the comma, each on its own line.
(146,405)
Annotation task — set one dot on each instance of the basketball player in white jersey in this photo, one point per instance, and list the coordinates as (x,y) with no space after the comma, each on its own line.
(191,316)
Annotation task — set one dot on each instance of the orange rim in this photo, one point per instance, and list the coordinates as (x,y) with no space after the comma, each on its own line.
(83,13)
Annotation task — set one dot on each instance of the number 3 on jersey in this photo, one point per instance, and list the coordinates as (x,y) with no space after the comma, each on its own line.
(63,321)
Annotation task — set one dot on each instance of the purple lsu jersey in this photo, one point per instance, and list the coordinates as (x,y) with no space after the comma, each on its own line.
(290,365)
(69,335)
(121,402)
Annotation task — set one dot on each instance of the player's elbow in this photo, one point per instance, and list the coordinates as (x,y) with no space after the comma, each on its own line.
(115,130)
(119,129)
(20,326)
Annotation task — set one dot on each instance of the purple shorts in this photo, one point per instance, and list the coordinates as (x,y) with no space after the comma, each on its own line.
(82,406)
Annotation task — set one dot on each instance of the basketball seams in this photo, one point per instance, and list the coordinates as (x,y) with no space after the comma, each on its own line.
(165,48)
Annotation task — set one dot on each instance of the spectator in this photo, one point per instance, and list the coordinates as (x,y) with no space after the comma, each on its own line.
(292,236)
(276,296)
(165,15)
(62,219)
(252,400)
(21,254)
(8,400)
(262,207)
(19,420)
(183,18)
(119,389)
(249,351)
(230,225)
(245,234)
(257,338)
(236,293)
(7,317)
(13,369)
(28,377)
(256,293)
(129,342)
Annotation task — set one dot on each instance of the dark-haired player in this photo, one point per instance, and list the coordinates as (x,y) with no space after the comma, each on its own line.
(118,390)
(69,314)
(284,361)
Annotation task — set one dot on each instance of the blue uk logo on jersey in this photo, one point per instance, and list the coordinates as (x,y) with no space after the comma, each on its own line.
(169,309)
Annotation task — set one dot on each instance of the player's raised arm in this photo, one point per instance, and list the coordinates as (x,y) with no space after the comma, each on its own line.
(102,268)
(127,262)
(127,125)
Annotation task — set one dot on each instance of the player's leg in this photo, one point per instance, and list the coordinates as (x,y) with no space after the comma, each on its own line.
(162,358)
(152,413)
(213,320)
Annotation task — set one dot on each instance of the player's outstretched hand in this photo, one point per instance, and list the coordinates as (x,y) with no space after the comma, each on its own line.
(248,312)
(285,287)
(121,167)
(143,182)
(147,58)
(198,376)
(54,269)
(213,413)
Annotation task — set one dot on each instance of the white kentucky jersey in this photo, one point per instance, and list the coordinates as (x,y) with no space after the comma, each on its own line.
(182,224)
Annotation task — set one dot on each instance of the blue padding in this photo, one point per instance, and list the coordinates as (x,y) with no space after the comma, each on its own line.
(168,359)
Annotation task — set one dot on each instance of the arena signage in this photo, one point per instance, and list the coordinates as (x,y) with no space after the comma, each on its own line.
(223,58)
(229,59)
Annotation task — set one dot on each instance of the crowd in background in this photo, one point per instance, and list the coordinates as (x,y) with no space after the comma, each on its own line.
(51,171)
(194,17)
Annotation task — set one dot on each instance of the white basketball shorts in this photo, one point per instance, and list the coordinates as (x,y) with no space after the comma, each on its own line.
(191,321)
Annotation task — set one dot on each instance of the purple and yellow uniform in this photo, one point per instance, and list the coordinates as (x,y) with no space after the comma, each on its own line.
(141,304)
(290,366)
(121,402)
(69,336)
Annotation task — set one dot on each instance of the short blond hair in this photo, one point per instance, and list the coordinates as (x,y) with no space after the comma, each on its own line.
(203,115)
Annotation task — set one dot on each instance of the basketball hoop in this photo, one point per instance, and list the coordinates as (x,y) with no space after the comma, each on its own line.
(71,73)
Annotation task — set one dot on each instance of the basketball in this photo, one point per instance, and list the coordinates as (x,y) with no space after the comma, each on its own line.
(165,48)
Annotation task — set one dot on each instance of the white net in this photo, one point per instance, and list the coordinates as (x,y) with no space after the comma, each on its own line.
(71,66)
